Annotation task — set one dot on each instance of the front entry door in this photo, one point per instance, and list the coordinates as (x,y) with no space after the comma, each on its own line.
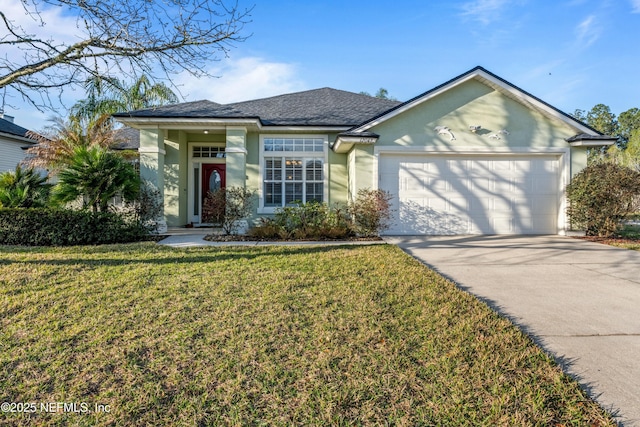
(213,177)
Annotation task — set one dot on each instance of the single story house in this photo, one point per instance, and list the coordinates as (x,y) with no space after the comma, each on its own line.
(474,155)
(14,140)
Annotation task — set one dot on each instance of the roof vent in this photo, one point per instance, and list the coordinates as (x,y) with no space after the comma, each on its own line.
(6,117)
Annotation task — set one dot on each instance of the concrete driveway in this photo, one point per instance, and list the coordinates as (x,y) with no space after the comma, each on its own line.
(579,300)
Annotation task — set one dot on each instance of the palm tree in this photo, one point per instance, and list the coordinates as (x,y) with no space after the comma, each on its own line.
(96,175)
(23,188)
(113,96)
(55,146)
(90,123)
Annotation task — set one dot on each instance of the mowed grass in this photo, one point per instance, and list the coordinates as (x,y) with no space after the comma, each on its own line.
(264,336)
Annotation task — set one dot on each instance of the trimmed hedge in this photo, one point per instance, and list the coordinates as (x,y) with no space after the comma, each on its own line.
(61,227)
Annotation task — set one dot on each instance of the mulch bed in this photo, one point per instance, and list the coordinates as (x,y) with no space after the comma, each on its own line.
(229,238)
(614,241)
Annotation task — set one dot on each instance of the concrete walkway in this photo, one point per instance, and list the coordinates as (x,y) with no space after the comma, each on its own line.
(579,300)
(195,238)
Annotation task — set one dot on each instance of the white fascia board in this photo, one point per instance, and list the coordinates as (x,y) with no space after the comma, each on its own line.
(16,138)
(303,130)
(592,143)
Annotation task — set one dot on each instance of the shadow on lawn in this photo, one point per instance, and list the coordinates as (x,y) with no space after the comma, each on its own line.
(163,255)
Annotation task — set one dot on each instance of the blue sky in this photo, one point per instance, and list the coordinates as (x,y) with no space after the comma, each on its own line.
(572,54)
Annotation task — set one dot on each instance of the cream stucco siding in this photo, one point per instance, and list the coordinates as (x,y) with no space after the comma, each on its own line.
(473,103)
(338,178)
(175,162)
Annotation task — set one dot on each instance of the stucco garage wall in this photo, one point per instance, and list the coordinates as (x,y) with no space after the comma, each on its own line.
(485,182)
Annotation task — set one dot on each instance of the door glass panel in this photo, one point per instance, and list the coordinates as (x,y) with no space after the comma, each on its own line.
(196,190)
(215,181)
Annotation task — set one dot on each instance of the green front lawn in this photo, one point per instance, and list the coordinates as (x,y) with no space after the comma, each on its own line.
(264,336)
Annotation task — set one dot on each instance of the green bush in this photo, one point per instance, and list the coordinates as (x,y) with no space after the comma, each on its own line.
(302,221)
(23,188)
(371,211)
(61,227)
(601,196)
(228,207)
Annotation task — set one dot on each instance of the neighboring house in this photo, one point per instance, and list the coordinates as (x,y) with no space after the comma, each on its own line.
(475,155)
(13,142)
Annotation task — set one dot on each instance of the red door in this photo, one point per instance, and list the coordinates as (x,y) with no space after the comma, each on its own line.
(213,177)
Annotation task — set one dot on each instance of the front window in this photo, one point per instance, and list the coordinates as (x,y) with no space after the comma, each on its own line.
(293,170)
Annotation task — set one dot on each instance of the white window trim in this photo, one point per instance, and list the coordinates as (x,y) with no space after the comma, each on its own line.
(305,154)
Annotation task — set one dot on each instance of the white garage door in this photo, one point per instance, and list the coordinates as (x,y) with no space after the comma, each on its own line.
(455,194)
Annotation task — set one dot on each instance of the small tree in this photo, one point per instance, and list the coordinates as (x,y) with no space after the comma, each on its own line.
(228,207)
(23,188)
(371,211)
(601,196)
(97,175)
(107,38)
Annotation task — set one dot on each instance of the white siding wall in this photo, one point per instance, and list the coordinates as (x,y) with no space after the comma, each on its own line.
(11,154)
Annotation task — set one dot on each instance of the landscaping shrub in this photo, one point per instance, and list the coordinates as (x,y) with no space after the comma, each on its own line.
(96,175)
(371,211)
(61,227)
(213,206)
(227,207)
(301,221)
(23,188)
(601,196)
(146,209)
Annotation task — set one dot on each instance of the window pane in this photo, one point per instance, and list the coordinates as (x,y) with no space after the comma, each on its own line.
(314,170)
(293,192)
(293,169)
(314,192)
(272,194)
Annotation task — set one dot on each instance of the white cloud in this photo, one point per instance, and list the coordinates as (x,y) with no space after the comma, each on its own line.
(241,80)
(588,31)
(484,11)
(49,24)
(635,6)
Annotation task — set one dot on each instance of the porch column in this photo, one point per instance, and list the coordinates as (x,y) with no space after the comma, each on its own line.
(236,150)
(152,167)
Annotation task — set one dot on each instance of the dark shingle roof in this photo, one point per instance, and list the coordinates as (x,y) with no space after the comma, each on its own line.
(318,107)
(12,128)
(127,139)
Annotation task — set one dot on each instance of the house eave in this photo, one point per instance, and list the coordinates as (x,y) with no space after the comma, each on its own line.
(201,124)
(16,138)
(345,141)
(586,140)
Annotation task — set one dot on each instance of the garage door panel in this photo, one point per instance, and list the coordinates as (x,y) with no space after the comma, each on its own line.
(467,195)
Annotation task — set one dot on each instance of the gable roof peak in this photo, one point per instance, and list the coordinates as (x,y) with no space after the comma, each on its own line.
(493,81)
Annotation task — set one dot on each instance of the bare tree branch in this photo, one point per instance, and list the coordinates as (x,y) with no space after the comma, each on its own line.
(112,38)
